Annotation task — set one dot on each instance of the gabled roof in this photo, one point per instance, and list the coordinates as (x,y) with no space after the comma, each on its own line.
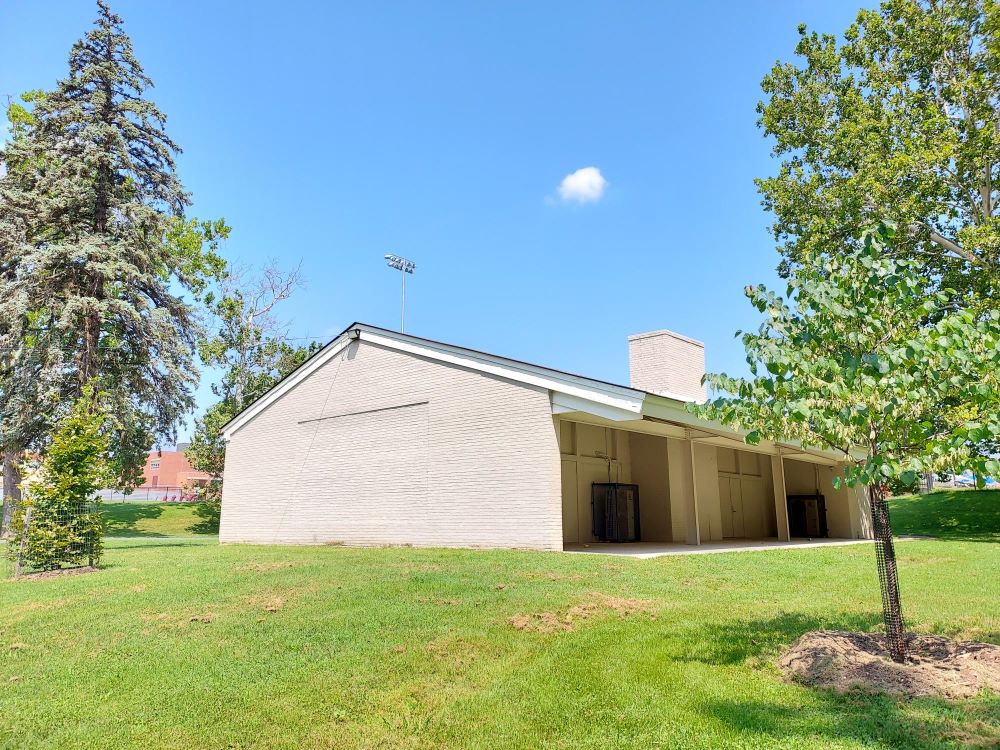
(570,394)
(618,401)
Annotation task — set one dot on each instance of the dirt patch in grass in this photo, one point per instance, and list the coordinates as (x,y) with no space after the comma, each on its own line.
(59,573)
(177,620)
(266,603)
(42,606)
(935,666)
(455,653)
(564,621)
(277,600)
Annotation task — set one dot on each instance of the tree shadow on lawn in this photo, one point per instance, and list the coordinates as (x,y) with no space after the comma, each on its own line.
(210,515)
(120,518)
(736,641)
(891,722)
(895,722)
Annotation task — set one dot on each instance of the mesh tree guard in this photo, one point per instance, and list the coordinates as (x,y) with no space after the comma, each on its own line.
(885,556)
(55,536)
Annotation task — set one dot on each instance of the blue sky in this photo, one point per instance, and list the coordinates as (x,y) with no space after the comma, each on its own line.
(333,133)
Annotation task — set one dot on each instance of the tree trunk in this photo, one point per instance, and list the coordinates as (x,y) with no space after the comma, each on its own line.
(885,554)
(91,341)
(11,490)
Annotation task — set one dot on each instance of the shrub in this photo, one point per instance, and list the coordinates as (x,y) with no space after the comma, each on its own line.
(64,526)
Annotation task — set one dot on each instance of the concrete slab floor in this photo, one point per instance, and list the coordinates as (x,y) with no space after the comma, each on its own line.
(648,550)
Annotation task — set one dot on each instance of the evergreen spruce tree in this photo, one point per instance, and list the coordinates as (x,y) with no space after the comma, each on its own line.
(28,388)
(94,206)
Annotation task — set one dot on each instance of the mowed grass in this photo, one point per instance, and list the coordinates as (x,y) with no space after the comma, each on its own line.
(970,515)
(182,643)
(153,519)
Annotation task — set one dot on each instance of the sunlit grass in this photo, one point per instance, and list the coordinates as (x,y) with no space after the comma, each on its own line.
(152,519)
(182,643)
(969,515)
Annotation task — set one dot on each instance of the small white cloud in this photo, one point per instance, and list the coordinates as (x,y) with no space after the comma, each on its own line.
(583,186)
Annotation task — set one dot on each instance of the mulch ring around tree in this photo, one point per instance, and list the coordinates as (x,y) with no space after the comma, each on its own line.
(934,665)
(57,573)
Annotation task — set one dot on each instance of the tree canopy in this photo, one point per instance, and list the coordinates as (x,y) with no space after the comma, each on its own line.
(900,119)
(101,272)
(249,344)
(864,359)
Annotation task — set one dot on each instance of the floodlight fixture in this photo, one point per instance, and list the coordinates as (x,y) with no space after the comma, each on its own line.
(404,266)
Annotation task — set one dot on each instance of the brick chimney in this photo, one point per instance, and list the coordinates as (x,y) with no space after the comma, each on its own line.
(668,364)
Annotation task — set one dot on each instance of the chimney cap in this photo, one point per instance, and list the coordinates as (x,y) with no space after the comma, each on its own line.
(665,332)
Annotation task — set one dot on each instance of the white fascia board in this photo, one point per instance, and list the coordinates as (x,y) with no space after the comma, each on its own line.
(308,368)
(563,403)
(604,394)
(622,402)
(659,409)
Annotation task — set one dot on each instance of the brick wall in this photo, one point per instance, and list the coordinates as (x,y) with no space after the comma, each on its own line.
(384,447)
(668,364)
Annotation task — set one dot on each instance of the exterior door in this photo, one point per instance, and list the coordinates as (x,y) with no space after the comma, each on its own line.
(731,502)
(753,501)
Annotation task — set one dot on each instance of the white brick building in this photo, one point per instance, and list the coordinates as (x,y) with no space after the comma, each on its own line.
(386,438)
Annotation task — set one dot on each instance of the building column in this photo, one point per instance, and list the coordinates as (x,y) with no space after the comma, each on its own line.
(683,509)
(780,497)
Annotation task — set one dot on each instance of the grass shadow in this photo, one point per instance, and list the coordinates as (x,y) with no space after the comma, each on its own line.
(737,641)
(120,519)
(210,515)
(157,520)
(155,542)
(955,515)
(890,722)
(826,717)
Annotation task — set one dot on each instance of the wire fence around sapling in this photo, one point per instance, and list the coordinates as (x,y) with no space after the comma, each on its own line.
(62,536)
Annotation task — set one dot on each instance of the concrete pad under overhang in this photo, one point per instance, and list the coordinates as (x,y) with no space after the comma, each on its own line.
(649,550)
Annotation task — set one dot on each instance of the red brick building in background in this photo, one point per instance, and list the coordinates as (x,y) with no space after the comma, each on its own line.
(171,470)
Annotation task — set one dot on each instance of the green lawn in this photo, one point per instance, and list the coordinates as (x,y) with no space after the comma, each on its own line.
(182,643)
(153,519)
(970,515)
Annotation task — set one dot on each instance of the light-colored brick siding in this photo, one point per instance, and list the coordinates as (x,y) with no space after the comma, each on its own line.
(667,363)
(439,456)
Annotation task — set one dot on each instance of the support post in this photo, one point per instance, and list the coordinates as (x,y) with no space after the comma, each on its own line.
(780,498)
(683,509)
(19,560)
(694,493)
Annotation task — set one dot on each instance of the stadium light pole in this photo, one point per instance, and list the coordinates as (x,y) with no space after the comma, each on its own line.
(404,267)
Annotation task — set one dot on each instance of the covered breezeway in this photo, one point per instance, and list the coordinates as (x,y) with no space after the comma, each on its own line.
(700,487)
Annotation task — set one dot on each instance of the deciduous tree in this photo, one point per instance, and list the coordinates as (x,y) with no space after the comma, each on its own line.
(900,119)
(865,359)
(250,345)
